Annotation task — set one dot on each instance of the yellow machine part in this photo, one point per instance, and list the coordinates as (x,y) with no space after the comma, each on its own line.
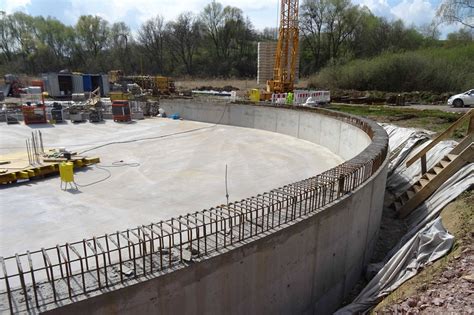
(66,172)
(118,96)
(254,95)
(161,83)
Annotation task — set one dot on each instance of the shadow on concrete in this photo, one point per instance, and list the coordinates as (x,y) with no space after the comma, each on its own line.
(40,126)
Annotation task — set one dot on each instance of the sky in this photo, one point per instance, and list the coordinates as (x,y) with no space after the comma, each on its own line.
(262,13)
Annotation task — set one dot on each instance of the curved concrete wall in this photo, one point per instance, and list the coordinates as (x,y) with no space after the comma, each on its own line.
(341,138)
(308,266)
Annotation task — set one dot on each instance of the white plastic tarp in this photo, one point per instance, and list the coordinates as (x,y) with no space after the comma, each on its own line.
(426,246)
(427,239)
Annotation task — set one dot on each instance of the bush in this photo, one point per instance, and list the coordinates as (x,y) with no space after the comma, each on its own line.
(434,69)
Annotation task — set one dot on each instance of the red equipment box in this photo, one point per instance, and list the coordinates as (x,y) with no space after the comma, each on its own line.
(34,114)
(121,110)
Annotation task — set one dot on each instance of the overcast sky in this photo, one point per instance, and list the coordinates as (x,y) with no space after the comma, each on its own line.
(262,13)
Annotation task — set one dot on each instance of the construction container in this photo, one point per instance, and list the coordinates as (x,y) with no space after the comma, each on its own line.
(77,83)
(105,87)
(96,80)
(65,84)
(121,111)
(34,114)
(87,82)
(51,84)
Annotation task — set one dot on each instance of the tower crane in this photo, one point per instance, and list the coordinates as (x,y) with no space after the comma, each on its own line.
(284,70)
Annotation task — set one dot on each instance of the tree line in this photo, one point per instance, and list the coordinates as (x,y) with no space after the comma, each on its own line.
(219,41)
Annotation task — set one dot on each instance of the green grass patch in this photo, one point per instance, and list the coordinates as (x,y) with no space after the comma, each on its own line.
(431,69)
(433,120)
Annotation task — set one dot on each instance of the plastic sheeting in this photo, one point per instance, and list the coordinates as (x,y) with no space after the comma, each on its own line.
(426,246)
(427,239)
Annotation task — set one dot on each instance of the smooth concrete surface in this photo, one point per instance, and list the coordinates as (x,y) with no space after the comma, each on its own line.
(176,175)
(304,268)
(307,267)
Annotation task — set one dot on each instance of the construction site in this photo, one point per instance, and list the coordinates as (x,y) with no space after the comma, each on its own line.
(124,194)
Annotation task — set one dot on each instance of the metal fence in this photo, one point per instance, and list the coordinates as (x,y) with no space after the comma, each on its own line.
(33,280)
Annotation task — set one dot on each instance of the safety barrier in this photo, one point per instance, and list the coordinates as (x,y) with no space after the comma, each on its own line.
(300,97)
(318,96)
(279,98)
(33,280)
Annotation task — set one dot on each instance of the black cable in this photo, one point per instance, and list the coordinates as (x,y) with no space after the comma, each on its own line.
(120,163)
(98,181)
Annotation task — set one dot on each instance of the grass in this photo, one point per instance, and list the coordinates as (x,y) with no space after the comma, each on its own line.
(431,69)
(433,120)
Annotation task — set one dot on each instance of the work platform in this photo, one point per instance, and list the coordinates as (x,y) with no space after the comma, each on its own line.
(48,168)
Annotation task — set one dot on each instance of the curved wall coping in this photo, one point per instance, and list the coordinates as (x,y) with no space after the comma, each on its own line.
(173,246)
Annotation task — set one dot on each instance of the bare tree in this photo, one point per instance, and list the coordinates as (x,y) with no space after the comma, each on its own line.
(151,36)
(213,20)
(457,11)
(184,36)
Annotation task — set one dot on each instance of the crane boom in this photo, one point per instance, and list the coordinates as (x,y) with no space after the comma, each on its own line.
(284,70)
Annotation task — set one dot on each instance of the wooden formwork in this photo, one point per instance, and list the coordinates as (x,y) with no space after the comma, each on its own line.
(48,168)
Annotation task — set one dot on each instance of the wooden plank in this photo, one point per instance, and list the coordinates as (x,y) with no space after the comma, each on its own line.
(53,168)
(92,160)
(430,186)
(23,175)
(7,178)
(442,136)
(465,142)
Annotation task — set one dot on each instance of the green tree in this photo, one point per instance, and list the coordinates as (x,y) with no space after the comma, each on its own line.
(7,38)
(92,33)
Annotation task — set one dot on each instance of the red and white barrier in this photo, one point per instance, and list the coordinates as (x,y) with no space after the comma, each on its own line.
(279,98)
(300,97)
(317,96)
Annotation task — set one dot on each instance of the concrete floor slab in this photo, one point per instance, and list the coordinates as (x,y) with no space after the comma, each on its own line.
(175,174)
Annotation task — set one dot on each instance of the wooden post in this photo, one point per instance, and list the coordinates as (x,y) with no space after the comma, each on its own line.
(423,164)
(470,128)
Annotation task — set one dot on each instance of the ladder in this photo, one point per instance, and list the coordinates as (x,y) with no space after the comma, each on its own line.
(433,178)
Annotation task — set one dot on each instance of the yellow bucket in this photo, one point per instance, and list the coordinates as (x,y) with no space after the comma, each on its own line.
(254,95)
(66,172)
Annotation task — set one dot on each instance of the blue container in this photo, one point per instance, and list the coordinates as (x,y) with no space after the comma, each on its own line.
(87,79)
